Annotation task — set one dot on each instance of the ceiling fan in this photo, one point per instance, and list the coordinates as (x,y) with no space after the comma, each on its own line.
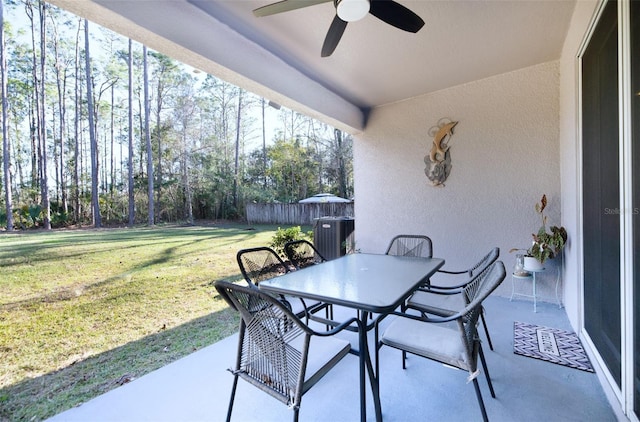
(349,11)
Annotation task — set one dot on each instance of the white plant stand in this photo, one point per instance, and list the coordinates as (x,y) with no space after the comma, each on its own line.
(532,276)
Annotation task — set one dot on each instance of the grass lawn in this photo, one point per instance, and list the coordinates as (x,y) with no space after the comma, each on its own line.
(84,311)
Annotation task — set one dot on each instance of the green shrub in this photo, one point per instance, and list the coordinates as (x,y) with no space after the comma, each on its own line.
(28,215)
(282,236)
(59,219)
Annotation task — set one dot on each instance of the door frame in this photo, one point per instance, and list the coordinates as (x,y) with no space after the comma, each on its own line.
(624,394)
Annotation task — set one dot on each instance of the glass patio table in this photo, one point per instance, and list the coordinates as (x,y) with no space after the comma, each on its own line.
(369,283)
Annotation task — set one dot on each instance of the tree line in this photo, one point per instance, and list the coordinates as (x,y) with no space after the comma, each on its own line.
(97,129)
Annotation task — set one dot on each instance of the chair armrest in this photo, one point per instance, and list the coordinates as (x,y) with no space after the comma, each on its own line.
(451,287)
(438,290)
(429,318)
(453,272)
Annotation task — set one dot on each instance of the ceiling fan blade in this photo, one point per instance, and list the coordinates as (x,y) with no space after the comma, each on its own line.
(333,36)
(396,14)
(285,6)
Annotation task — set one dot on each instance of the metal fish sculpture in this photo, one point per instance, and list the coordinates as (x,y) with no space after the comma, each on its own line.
(439,144)
(438,162)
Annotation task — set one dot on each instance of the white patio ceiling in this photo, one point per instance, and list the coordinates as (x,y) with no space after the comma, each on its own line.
(375,64)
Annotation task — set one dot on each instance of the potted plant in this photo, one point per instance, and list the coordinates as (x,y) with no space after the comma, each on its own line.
(545,244)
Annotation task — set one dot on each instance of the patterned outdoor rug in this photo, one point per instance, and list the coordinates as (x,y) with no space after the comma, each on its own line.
(550,344)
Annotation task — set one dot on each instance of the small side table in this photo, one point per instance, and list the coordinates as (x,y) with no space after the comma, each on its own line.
(532,276)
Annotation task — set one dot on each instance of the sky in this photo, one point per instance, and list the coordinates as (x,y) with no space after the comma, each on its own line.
(17,18)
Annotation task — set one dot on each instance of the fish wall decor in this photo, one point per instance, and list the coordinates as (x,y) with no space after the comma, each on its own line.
(438,161)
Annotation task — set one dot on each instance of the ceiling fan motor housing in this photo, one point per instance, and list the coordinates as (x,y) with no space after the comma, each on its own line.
(352,10)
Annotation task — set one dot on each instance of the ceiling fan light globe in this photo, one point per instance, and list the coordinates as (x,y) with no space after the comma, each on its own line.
(352,10)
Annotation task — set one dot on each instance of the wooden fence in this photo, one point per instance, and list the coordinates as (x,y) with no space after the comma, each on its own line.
(300,214)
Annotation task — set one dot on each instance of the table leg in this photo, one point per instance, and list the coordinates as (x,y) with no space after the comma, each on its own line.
(367,366)
(535,304)
(362,353)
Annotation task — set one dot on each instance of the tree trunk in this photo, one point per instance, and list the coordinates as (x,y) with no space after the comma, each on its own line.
(132,209)
(36,122)
(142,132)
(76,129)
(112,173)
(44,186)
(264,148)
(185,176)
(6,158)
(95,203)
(237,152)
(56,167)
(158,169)
(342,172)
(147,134)
(61,85)
(33,137)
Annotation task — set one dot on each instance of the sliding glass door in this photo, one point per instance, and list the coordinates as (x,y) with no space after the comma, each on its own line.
(601,191)
(611,177)
(635,212)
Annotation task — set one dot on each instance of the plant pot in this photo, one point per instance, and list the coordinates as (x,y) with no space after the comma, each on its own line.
(532,264)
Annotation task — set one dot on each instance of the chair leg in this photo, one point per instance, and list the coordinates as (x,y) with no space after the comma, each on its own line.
(297,402)
(233,396)
(486,330)
(377,346)
(403,308)
(476,386)
(486,371)
(328,314)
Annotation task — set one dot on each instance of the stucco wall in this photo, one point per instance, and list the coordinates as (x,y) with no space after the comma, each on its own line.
(505,155)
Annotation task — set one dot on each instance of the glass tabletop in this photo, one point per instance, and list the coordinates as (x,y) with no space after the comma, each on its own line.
(369,282)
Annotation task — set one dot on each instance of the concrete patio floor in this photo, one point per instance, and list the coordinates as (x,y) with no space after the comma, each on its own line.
(196,388)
